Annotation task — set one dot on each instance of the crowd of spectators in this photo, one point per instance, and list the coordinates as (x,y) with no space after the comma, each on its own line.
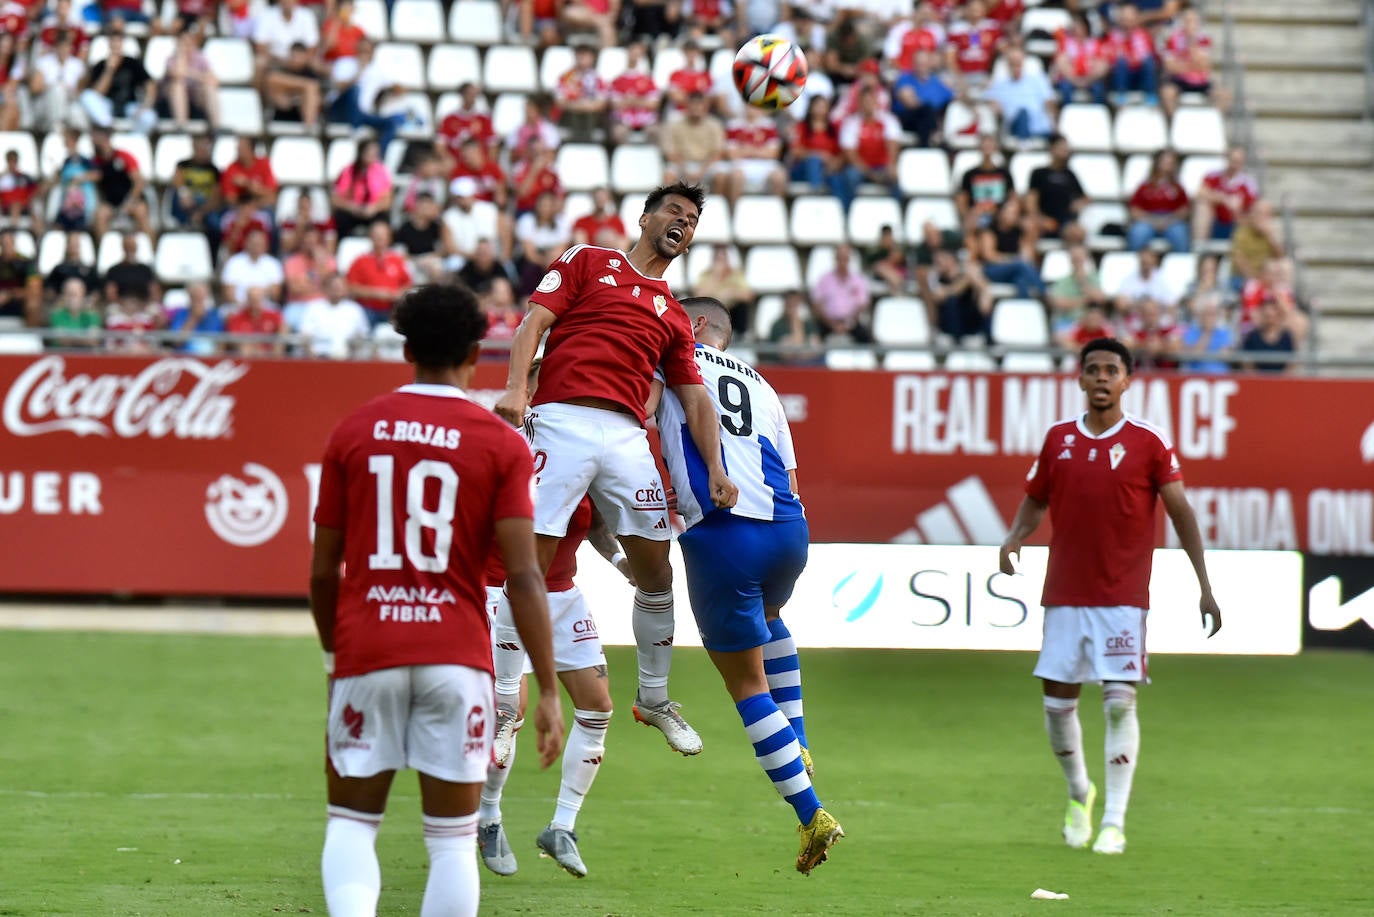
(462,200)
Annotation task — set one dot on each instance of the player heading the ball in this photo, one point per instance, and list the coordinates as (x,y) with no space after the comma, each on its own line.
(415,487)
(611,320)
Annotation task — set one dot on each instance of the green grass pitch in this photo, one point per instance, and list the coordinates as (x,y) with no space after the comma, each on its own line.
(120,755)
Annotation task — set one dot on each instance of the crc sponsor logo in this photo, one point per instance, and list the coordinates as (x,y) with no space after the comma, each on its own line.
(178,397)
(1122,644)
(248,511)
(50,493)
(650,497)
(584,629)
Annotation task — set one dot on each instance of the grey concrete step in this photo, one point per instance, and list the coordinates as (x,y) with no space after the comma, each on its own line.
(1301,59)
(1333,233)
(1295,154)
(1266,38)
(1248,13)
(1336,256)
(1283,105)
(1308,86)
(1316,133)
(1344,335)
(1341,286)
(1317,182)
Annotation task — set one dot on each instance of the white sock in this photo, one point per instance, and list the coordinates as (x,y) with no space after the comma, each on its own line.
(653,627)
(495,785)
(1066,741)
(454,885)
(352,876)
(508,654)
(1122,748)
(581,760)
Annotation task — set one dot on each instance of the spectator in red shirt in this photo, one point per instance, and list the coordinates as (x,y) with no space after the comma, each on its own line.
(536,127)
(1091,325)
(922,33)
(603,225)
(249,176)
(1154,335)
(17,191)
(474,162)
(1134,68)
(258,316)
(1223,198)
(295,227)
(870,77)
(1159,207)
(239,223)
(634,98)
(463,124)
(692,78)
(582,95)
(814,155)
(534,177)
(1081,62)
(973,43)
(378,278)
(340,35)
(753,150)
(869,140)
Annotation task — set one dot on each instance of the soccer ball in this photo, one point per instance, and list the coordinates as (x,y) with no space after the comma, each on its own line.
(770,72)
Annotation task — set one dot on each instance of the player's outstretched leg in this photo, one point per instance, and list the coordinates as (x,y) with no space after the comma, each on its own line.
(782,665)
(582,756)
(454,886)
(508,655)
(1121,749)
(497,854)
(1066,741)
(653,627)
(352,875)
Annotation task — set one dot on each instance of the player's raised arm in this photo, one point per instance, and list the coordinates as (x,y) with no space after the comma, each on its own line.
(1190,537)
(1028,517)
(704,424)
(513,402)
(530,611)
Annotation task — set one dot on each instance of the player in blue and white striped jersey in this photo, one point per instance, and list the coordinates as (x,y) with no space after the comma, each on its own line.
(743,562)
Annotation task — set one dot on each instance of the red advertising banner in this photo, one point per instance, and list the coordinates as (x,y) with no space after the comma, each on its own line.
(185,476)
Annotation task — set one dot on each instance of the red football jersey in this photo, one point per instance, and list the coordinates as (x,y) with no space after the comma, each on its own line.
(1241,184)
(1101,491)
(975,45)
(1159,197)
(417,480)
(743,132)
(914,40)
(614,326)
(458,126)
(1135,45)
(1082,53)
(690,82)
(635,84)
(544,180)
(592,225)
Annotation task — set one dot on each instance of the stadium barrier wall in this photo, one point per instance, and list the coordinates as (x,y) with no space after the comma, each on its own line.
(187,476)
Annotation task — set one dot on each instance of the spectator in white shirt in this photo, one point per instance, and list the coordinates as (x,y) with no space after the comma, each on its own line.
(358,87)
(333,323)
(279,27)
(1147,283)
(55,84)
(1026,101)
(253,267)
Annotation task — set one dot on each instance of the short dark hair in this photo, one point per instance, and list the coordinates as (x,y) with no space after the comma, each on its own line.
(701,305)
(693,193)
(1111,345)
(441,323)
(1056,137)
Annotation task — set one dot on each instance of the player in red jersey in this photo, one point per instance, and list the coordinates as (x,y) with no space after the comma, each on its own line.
(611,320)
(1099,476)
(415,486)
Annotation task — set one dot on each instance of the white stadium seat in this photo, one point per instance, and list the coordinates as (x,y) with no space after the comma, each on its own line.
(667,61)
(289,197)
(341,154)
(417,20)
(507,113)
(1099,174)
(1179,270)
(817,219)
(111,251)
(556,61)
(845,358)
(53,248)
(298,161)
(636,168)
(402,62)
(969,361)
(1114,269)
(1088,128)
(475,22)
(714,225)
(1139,129)
(350,248)
(772,268)
(370,16)
(959,116)
(761,219)
(171,149)
(1045,19)
(583,166)
(938,210)
(1195,168)
(159,50)
(766,313)
(450,66)
(20,342)
(576,205)
(699,259)
(240,110)
(914,361)
(1056,265)
(923,172)
(231,59)
(1096,217)
(721,64)
(1135,173)
(819,262)
(868,215)
(611,63)
(1016,362)
(137,146)
(99,49)
(1023,164)
(1020,322)
(225,151)
(510,68)
(28,150)
(1198,130)
(183,257)
(901,320)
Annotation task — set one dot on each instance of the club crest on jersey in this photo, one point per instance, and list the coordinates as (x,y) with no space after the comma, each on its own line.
(660,305)
(1068,439)
(1116,454)
(614,263)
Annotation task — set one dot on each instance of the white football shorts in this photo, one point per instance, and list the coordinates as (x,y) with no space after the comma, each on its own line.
(496,600)
(435,719)
(580,450)
(1093,644)
(576,644)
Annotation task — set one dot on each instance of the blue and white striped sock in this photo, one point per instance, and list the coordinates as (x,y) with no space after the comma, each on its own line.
(777,751)
(783,668)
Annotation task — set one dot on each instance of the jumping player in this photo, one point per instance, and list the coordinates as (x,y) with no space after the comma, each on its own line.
(611,321)
(742,563)
(415,486)
(1099,475)
(581,667)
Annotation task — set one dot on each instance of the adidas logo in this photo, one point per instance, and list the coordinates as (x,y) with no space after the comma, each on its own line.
(608,279)
(1066,454)
(968,516)
(661,524)
(668,642)
(1120,760)
(596,760)
(513,647)
(1065,753)
(1130,666)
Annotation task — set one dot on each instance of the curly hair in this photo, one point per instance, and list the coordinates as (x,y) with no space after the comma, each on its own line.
(440,322)
(1111,345)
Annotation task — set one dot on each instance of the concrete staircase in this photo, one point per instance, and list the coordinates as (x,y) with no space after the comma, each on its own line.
(1304,83)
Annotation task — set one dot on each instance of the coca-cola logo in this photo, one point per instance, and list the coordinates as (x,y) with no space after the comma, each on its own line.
(156,402)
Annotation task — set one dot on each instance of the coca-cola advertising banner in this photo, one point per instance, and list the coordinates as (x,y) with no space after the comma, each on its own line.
(186,476)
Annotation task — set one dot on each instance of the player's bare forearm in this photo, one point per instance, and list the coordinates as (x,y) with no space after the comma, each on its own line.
(324,583)
(1028,517)
(655,396)
(602,538)
(523,346)
(1189,535)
